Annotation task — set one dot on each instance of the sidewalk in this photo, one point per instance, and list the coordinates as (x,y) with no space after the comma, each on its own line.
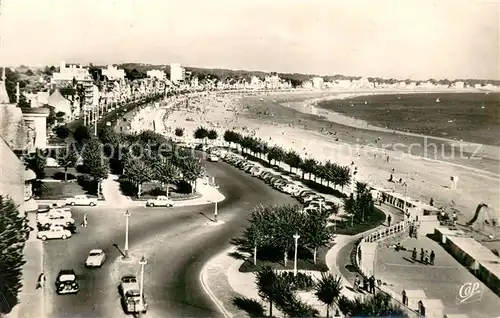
(31,300)
(112,193)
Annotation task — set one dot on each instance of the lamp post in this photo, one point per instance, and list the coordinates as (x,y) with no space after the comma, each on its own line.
(143,263)
(127,215)
(296,238)
(215,213)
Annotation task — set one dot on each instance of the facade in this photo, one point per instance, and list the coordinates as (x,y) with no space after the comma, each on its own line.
(11,176)
(159,74)
(177,72)
(317,82)
(113,73)
(69,74)
(60,104)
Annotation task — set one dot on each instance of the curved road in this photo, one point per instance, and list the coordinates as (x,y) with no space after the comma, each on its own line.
(177,242)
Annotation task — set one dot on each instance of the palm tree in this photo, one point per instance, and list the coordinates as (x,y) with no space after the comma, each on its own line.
(266,280)
(328,290)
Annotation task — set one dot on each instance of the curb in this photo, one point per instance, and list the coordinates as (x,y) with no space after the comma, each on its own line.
(210,294)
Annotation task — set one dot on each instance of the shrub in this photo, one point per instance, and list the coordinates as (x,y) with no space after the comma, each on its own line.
(300,282)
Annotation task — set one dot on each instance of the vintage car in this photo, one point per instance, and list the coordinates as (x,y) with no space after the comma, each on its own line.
(160,200)
(213,158)
(127,282)
(95,258)
(54,232)
(66,282)
(81,200)
(131,302)
(49,219)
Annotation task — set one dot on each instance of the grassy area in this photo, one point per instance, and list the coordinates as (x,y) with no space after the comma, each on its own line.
(274,258)
(150,190)
(344,227)
(58,190)
(55,188)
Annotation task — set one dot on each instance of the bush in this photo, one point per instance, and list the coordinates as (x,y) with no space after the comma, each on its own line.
(302,281)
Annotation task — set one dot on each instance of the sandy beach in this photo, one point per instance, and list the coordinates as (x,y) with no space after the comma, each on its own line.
(272,118)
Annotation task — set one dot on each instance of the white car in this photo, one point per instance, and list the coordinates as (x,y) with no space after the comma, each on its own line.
(55,212)
(96,258)
(53,220)
(160,201)
(213,158)
(55,232)
(81,200)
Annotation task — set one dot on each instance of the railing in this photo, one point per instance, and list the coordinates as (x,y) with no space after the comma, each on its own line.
(363,265)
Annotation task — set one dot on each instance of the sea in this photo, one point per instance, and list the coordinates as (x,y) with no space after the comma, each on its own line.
(472,117)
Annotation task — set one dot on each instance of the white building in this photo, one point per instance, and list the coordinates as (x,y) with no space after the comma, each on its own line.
(272,81)
(458,85)
(159,74)
(113,73)
(67,73)
(317,82)
(177,72)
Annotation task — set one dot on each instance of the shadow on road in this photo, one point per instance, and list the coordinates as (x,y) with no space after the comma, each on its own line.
(118,248)
(212,220)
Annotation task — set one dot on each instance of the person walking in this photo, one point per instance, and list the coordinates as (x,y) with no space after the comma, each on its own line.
(389,219)
(414,254)
(421,255)
(356,284)
(85,220)
(433,256)
(426,257)
(372,284)
(40,283)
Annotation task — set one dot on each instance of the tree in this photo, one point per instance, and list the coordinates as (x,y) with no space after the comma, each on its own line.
(179,132)
(191,169)
(94,162)
(267,282)
(287,222)
(275,153)
(292,159)
(37,162)
(137,172)
(166,173)
(67,158)
(82,134)
(62,132)
(212,134)
(200,133)
(316,233)
(328,290)
(13,236)
(308,165)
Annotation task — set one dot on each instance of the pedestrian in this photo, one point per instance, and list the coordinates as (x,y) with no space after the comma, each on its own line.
(372,284)
(426,257)
(455,218)
(356,284)
(431,203)
(365,283)
(405,298)
(411,230)
(421,255)
(414,254)
(85,221)
(389,219)
(40,283)
(433,256)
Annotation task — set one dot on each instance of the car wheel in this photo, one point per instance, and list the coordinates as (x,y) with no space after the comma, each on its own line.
(64,237)
(72,203)
(44,238)
(91,204)
(151,205)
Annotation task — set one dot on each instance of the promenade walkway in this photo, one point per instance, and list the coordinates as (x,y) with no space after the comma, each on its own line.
(31,300)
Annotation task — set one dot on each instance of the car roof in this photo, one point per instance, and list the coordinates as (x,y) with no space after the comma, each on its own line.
(96,250)
(129,277)
(66,272)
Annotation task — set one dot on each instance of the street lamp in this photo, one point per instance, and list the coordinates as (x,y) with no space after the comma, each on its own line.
(296,238)
(143,263)
(127,215)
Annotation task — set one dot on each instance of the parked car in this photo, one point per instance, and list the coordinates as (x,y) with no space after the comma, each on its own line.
(43,208)
(54,232)
(95,258)
(327,205)
(161,201)
(309,209)
(213,158)
(81,200)
(46,221)
(66,282)
(55,212)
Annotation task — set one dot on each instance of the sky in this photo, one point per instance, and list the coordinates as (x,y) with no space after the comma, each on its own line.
(418,39)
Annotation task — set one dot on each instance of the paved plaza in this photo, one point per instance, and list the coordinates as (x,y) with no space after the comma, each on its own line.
(439,281)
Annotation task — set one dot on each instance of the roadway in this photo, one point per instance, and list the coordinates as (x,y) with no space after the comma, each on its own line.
(176,242)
